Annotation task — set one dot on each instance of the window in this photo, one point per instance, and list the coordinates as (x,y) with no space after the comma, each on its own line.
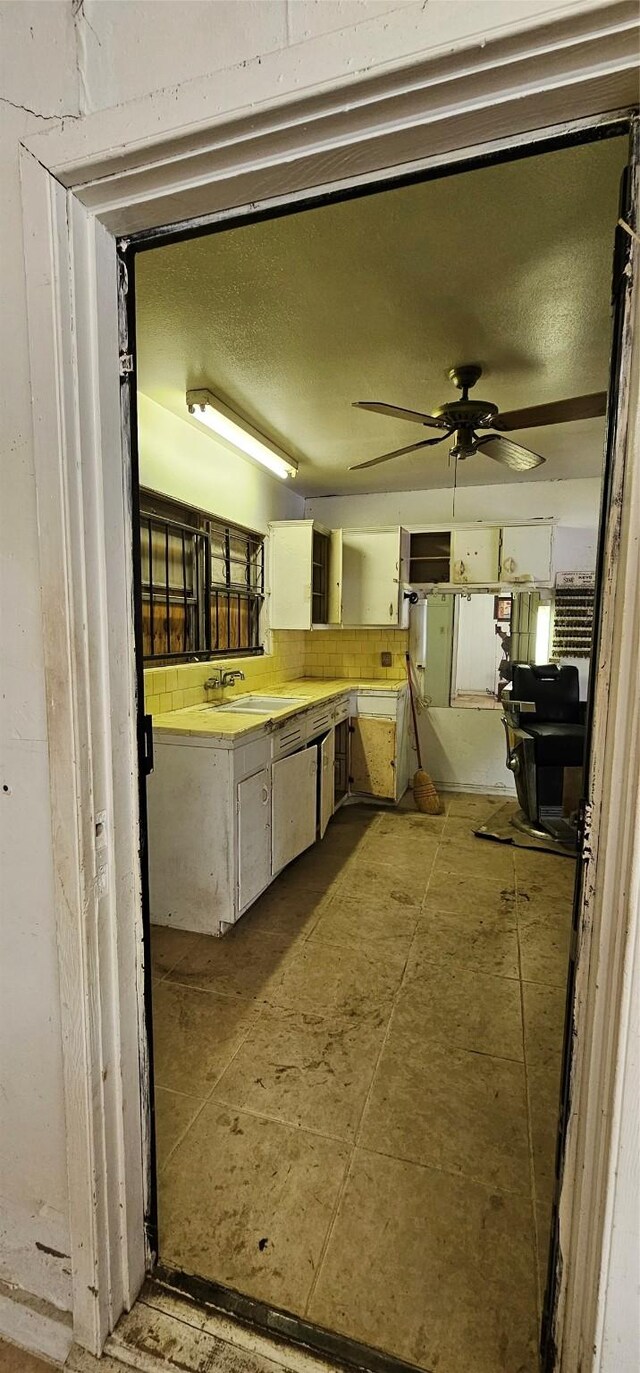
(202,583)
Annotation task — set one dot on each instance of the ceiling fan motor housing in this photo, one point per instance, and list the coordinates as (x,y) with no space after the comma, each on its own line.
(467,412)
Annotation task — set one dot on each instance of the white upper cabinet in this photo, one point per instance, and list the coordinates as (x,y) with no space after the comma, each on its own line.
(526,554)
(374,567)
(475,556)
(304,575)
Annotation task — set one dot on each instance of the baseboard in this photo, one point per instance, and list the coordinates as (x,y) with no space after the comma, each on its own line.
(34,1324)
(474,789)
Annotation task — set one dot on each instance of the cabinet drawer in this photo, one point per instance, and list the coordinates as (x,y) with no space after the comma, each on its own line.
(384,707)
(319,720)
(250,758)
(288,737)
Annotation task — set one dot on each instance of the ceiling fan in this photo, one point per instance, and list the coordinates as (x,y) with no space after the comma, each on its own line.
(461,418)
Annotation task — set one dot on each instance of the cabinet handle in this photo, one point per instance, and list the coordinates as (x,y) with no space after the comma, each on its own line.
(390,610)
(265,795)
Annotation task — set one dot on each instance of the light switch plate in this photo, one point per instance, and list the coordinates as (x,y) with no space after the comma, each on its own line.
(386,660)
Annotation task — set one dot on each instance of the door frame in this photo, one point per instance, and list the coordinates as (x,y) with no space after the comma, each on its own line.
(112,175)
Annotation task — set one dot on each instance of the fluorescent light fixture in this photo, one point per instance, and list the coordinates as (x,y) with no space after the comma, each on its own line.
(210,411)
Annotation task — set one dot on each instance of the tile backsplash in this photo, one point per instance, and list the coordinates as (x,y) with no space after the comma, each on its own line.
(171,688)
(353,653)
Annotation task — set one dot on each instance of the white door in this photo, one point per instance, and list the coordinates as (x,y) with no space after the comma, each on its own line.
(474,556)
(293,805)
(370,576)
(290,560)
(327,780)
(526,553)
(254,837)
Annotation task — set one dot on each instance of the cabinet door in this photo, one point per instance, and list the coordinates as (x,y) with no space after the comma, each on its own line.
(373,757)
(254,837)
(290,574)
(370,576)
(293,806)
(327,780)
(526,553)
(474,556)
(334,599)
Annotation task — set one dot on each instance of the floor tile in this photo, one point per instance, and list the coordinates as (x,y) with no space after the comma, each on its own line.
(548,873)
(544,950)
(305,1069)
(402,846)
(449,1280)
(13,1359)
(543,1240)
(543,1084)
(544,1009)
(458,896)
(543,905)
(356,919)
(343,979)
(462,1112)
(195,1035)
(289,915)
(240,964)
(412,822)
(460,1009)
(168,946)
(174,1113)
(489,862)
(485,942)
(460,889)
(473,806)
(400,883)
(248,1202)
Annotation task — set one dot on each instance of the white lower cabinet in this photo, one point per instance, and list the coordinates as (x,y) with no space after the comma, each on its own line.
(253,805)
(379,753)
(224,821)
(293,806)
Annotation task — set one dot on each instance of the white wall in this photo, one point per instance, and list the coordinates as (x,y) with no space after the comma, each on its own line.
(39,72)
(50,71)
(575,503)
(193,466)
(464,749)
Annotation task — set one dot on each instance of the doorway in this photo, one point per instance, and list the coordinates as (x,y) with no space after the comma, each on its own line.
(367,843)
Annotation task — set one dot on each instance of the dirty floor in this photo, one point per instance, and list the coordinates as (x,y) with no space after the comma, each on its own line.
(357,1088)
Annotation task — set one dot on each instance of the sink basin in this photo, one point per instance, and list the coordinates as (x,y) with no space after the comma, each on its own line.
(260,705)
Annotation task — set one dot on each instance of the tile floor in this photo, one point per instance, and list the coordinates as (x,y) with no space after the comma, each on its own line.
(357,1088)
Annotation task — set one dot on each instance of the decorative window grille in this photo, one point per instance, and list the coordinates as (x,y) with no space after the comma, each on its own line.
(202,584)
(573,621)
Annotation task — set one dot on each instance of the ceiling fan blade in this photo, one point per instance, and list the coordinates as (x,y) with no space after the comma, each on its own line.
(556,412)
(397,453)
(510,454)
(379,407)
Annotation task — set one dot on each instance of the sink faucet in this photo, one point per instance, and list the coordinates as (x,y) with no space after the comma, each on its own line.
(220,679)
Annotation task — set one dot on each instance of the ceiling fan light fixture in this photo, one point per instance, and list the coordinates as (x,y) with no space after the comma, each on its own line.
(222,421)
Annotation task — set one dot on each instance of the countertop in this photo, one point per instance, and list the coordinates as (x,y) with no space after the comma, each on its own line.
(229,726)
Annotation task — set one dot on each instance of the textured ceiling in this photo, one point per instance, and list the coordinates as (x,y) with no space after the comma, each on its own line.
(291,319)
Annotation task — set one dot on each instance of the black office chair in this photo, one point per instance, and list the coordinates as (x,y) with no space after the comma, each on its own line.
(544,725)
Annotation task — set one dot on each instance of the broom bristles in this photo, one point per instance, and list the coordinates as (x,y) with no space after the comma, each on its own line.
(425,794)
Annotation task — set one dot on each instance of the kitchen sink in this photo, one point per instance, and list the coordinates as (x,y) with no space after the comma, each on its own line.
(260,705)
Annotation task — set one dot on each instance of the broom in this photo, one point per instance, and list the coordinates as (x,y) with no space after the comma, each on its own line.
(424,792)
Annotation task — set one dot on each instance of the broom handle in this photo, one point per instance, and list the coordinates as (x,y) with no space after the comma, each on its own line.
(413,708)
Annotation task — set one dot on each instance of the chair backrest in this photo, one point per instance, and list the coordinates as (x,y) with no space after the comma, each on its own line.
(555,691)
